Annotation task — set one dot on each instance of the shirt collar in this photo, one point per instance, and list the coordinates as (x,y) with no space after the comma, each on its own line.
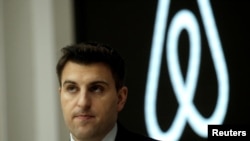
(109,137)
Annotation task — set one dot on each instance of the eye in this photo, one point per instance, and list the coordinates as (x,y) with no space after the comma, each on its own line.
(96,89)
(71,88)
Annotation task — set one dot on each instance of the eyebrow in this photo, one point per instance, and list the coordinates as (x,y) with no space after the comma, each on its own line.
(68,81)
(99,82)
(92,83)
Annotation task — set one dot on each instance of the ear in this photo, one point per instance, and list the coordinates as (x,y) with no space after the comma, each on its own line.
(59,90)
(122,98)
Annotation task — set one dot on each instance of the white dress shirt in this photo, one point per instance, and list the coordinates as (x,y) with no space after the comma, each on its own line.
(109,137)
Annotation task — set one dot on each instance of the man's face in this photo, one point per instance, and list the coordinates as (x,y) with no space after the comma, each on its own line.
(89,100)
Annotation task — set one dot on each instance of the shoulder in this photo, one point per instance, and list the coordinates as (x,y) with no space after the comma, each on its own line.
(124,134)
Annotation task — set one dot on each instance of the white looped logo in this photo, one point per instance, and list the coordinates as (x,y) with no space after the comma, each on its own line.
(184,90)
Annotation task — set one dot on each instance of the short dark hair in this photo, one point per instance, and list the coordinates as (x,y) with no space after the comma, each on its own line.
(93,52)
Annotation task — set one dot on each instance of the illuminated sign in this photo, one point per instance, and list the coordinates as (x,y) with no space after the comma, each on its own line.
(184,90)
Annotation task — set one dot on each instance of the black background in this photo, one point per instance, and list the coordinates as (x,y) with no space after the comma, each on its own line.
(128,26)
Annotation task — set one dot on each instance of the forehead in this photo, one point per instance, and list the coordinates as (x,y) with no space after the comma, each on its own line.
(78,72)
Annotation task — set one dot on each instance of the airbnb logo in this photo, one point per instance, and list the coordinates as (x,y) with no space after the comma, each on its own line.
(184,90)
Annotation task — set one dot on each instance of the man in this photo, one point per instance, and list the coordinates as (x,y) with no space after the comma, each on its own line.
(92,93)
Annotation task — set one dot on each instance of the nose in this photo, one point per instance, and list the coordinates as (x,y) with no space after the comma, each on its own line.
(84,100)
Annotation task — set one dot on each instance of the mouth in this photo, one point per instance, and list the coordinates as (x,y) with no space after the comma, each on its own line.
(84,117)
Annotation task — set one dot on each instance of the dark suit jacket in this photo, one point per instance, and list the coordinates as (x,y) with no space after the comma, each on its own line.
(125,135)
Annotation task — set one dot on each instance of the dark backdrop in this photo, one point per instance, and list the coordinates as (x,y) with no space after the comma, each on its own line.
(128,26)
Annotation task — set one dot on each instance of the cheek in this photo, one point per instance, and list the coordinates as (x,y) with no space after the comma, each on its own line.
(66,107)
(111,105)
